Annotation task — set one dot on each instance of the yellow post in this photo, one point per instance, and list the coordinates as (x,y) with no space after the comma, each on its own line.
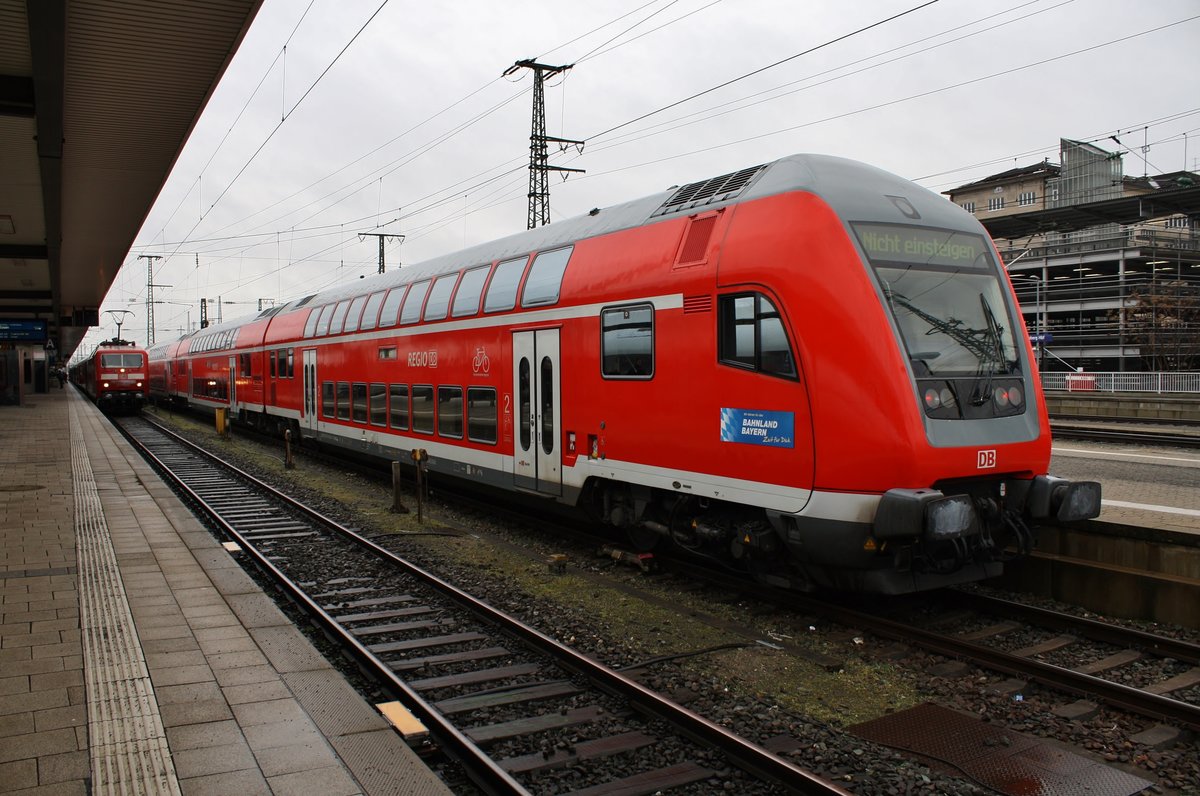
(221,425)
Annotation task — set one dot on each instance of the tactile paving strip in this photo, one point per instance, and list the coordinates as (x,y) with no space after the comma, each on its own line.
(129,752)
(1000,759)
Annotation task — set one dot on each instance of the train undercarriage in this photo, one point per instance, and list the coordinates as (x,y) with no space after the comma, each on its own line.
(961,531)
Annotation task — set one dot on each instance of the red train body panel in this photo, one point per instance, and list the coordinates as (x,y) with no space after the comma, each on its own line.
(811,369)
(115,376)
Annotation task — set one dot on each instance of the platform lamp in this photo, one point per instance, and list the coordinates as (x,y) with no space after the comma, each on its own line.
(119,318)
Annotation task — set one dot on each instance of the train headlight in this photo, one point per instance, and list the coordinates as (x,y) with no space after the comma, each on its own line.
(1000,396)
(939,398)
(139,384)
(106,385)
(1015,396)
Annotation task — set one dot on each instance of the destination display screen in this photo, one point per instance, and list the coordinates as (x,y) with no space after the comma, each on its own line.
(923,246)
(20,330)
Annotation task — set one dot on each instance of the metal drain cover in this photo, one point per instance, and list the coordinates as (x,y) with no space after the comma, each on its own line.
(1005,761)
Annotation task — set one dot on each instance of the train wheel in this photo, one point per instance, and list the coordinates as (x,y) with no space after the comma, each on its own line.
(643,540)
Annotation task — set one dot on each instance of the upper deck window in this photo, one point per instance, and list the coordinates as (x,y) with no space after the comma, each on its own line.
(545,277)
(411,312)
(355,313)
(339,317)
(466,300)
(439,297)
(323,322)
(391,308)
(371,312)
(502,291)
(310,326)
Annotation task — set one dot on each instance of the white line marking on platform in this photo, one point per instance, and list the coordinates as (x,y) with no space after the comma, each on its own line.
(1192,460)
(1121,504)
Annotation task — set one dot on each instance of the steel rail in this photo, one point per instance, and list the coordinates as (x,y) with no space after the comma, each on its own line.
(1088,628)
(749,756)
(1125,697)
(482,770)
(1063,431)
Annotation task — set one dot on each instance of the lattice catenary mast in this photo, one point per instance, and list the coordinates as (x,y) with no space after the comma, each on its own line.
(539,167)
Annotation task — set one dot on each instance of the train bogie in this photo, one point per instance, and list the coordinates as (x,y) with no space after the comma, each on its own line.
(811,370)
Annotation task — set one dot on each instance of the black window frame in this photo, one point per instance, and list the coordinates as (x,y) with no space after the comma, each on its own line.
(398,406)
(377,403)
(728,323)
(445,395)
(328,400)
(604,361)
(431,398)
(358,402)
(486,396)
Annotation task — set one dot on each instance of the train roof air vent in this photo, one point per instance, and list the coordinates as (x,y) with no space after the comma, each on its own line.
(717,189)
(304,301)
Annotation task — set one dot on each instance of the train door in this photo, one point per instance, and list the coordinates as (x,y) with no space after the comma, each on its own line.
(537,459)
(233,372)
(309,410)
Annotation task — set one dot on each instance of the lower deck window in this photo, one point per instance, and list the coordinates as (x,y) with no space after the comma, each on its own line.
(398,409)
(481,414)
(328,404)
(422,409)
(450,412)
(343,400)
(379,395)
(359,402)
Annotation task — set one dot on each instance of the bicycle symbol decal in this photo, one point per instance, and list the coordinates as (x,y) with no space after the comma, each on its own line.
(481,363)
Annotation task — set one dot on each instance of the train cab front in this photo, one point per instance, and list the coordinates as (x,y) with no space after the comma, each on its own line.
(979,437)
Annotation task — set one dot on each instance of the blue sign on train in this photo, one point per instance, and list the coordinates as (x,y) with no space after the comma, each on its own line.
(758,427)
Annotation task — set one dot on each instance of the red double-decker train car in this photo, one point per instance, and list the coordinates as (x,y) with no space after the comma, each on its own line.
(812,370)
(114,375)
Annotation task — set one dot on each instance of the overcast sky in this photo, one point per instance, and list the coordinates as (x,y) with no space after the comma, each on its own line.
(413,130)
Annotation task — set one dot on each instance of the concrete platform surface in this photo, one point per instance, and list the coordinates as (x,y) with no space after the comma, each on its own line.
(135,654)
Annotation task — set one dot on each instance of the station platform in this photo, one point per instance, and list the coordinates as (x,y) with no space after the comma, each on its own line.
(135,654)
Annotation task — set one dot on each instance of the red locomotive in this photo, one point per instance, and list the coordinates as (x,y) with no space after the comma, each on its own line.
(812,370)
(114,375)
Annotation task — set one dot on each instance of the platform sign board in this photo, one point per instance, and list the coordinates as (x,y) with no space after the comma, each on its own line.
(22,330)
(758,427)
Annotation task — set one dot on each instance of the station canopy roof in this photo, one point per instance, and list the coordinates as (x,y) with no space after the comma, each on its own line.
(97,98)
(1125,210)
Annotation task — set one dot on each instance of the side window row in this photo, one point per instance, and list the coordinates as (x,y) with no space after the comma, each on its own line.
(212,342)
(454,295)
(419,408)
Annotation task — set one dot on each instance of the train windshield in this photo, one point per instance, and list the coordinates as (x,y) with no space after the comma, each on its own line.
(945,293)
(121,360)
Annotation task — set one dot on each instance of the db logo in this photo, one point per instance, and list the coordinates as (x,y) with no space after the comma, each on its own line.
(985,460)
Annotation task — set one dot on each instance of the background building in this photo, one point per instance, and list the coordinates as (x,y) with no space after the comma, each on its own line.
(1106,267)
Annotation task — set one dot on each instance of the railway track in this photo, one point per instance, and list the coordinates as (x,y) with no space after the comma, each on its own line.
(1094,433)
(1023,641)
(515,709)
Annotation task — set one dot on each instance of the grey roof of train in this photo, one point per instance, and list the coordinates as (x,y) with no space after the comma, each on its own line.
(852,188)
